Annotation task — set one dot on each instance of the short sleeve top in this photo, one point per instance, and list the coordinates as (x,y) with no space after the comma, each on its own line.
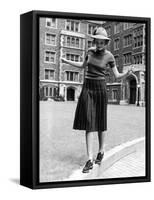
(97,62)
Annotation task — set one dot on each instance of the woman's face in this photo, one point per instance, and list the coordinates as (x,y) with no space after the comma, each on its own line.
(100,44)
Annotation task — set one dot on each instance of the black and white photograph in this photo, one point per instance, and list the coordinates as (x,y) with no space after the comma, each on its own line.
(76,100)
(92,98)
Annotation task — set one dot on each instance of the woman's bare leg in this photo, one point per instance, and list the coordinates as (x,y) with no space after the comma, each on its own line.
(101,138)
(89,144)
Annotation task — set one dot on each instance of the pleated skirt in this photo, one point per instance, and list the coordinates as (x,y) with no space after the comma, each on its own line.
(91,110)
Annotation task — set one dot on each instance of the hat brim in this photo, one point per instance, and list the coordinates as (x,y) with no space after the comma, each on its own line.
(101,37)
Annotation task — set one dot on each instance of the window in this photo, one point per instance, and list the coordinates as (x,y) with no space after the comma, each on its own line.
(138,41)
(127,58)
(51,22)
(91,29)
(127,25)
(68,41)
(55,91)
(73,57)
(50,56)
(127,41)
(72,25)
(117,60)
(138,37)
(50,39)
(75,42)
(50,91)
(49,74)
(67,25)
(90,44)
(77,58)
(138,59)
(46,91)
(117,28)
(72,76)
(116,44)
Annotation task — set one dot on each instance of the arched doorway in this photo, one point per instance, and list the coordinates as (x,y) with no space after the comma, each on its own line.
(132,86)
(70,94)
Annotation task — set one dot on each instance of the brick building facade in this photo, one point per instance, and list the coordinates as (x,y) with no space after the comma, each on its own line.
(71,39)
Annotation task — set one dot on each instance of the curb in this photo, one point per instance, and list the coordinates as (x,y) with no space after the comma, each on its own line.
(111,157)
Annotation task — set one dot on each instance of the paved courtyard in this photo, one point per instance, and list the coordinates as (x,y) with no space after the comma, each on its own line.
(130,166)
(62,149)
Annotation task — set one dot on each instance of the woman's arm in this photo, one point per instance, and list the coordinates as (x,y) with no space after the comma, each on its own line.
(74,64)
(118,75)
(121,75)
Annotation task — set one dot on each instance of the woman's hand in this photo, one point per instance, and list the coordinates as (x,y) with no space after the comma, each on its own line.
(130,71)
(73,63)
(63,60)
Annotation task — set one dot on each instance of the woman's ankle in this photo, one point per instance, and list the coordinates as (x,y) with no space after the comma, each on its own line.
(101,151)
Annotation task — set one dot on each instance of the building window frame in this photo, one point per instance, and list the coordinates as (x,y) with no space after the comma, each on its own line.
(52,34)
(127,58)
(76,57)
(91,28)
(72,25)
(49,70)
(116,46)
(127,40)
(73,42)
(49,91)
(72,76)
(138,41)
(138,37)
(117,28)
(91,44)
(127,26)
(49,20)
(49,51)
(138,58)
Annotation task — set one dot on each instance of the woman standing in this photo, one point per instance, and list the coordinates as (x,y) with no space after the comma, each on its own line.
(91,111)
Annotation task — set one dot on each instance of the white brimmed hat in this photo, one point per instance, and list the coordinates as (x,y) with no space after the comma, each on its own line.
(100,33)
